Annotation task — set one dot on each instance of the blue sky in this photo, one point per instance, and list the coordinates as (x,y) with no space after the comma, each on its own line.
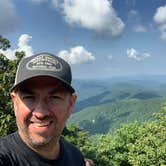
(99,38)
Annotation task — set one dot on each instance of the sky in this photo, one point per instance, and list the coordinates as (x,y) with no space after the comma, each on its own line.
(99,38)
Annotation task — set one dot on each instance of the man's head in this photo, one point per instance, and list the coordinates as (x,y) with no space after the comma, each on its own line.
(44,64)
(43,99)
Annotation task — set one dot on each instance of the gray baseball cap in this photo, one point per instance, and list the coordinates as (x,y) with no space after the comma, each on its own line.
(44,64)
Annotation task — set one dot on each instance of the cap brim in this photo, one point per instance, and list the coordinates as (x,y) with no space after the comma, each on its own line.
(68,86)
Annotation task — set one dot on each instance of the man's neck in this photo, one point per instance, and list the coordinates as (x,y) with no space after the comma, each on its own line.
(48,151)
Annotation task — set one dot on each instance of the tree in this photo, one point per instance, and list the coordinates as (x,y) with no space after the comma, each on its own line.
(78,137)
(7,75)
(4,43)
(150,148)
(133,144)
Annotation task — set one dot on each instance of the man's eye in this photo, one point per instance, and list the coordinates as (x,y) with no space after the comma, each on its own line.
(55,97)
(28,97)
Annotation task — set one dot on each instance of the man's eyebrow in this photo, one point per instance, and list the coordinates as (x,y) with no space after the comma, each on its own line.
(25,90)
(58,90)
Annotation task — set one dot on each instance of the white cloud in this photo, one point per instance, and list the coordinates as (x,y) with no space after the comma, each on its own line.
(140,28)
(160,19)
(97,15)
(77,55)
(10,54)
(160,15)
(22,46)
(146,55)
(134,54)
(8,17)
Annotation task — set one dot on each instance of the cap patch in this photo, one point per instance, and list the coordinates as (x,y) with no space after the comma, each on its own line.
(44,62)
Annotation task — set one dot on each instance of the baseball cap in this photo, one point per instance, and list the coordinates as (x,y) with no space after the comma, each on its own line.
(44,64)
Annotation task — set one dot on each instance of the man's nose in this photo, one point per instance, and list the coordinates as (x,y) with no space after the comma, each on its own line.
(41,110)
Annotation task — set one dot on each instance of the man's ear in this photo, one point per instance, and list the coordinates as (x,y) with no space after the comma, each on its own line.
(12,95)
(73,99)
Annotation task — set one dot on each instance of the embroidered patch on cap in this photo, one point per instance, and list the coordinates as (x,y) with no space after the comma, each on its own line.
(44,62)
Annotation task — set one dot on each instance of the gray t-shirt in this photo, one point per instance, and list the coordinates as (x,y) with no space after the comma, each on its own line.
(14,152)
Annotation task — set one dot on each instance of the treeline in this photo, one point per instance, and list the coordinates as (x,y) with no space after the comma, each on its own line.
(131,145)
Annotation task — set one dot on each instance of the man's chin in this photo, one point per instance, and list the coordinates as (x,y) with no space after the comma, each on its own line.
(39,142)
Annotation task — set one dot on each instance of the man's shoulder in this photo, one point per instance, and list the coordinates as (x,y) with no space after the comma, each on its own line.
(69,146)
(71,152)
(6,149)
(6,142)
(6,139)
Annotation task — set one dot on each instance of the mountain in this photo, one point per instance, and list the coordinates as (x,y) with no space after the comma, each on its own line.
(104,105)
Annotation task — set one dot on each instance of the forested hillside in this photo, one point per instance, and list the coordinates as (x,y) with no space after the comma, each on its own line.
(117,101)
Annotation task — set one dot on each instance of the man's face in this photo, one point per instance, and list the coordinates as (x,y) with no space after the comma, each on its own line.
(42,106)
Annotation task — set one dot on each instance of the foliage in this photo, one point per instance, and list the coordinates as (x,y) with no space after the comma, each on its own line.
(76,135)
(81,139)
(149,148)
(109,116)
(7,74)
(132,144)
(4,43)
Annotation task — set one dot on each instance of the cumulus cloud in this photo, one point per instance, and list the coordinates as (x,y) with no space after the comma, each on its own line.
(160,19)
(22,46)
(160,15)
(134,54)
(77,55)
(8,17)
(96,15)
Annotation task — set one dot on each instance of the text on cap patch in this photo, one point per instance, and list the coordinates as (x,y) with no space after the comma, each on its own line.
(44,62)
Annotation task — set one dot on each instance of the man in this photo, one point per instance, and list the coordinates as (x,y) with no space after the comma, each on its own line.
(43,100)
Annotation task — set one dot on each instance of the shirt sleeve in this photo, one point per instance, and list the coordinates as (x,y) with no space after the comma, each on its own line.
(3,160)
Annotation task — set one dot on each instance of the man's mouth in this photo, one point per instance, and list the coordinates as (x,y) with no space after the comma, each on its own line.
(41,124)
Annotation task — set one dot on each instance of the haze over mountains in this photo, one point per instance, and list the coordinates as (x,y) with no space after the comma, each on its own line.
(104,105)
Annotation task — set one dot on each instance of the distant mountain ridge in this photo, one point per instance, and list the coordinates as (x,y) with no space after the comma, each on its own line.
(94,100)
(103,105)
